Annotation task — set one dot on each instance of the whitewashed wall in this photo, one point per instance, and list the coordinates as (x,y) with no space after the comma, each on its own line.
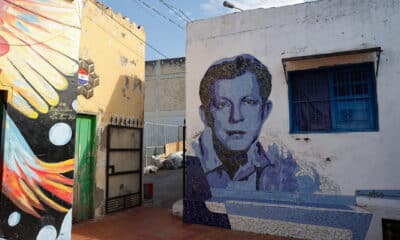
(367,160)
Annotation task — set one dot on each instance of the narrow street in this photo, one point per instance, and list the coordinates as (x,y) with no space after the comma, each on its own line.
(150,223)
(266,119)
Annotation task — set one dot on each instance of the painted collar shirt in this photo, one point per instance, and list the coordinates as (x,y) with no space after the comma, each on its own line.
(260,173)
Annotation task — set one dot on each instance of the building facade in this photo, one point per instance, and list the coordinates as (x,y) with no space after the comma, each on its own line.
(52,77)
(39,46)
(164,105)
(293,130)
(165,91)
(112,53)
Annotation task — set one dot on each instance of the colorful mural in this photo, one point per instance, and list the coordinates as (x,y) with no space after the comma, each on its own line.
(234,182)
(39,45)
(25,175)
(87,78)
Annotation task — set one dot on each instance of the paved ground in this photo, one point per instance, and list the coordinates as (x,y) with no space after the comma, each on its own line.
(167,187)
(150,223)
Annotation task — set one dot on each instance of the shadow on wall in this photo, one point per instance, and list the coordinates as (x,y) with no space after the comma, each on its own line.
(131,85)
(126,100)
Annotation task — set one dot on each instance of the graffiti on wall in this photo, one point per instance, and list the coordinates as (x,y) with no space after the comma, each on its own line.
(233,181)
(87,78)
(39,45)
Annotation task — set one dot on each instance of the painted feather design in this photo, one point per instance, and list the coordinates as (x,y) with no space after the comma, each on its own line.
(39,46)
(25,176)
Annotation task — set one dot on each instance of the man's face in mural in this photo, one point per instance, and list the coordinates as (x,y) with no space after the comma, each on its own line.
(237,111)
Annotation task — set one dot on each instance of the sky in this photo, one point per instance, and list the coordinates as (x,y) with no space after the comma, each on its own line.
(164,22)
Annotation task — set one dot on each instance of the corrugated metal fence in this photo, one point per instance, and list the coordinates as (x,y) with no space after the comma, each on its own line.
(156,135)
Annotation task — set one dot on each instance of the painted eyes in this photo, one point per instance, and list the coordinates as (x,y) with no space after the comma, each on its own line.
(250,102)
(221,105)
(246,101)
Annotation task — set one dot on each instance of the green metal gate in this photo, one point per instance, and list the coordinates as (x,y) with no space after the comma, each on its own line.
(85,152)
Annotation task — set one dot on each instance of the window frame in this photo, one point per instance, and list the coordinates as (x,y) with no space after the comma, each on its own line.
(370,66)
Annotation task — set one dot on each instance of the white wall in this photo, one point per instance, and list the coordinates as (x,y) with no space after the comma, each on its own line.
(367,160)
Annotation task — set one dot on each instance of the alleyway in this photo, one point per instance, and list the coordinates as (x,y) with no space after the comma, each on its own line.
(149,223)
(167,187)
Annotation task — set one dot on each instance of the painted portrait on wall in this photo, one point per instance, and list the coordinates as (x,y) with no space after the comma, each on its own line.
(236,175)
(230,162)
(235,105)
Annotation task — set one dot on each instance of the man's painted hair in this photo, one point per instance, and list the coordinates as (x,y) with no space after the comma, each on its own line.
(229,68)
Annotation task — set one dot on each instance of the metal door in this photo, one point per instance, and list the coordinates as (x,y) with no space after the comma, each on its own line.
(85,167)
(124,168)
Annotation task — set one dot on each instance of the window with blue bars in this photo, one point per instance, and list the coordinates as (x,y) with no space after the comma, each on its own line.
(333,99)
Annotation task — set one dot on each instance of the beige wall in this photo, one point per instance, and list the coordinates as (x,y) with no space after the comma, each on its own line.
(113,44)
(165,91)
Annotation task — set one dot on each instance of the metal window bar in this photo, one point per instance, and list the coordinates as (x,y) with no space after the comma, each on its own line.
(348,105)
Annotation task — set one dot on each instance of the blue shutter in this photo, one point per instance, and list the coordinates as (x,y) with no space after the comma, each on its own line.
(333,99)
(353,98)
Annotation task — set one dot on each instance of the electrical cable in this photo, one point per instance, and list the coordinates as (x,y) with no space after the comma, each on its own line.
(143,7)
(58,35)
(143,41)
(179,12)
(162,15)
(183,12)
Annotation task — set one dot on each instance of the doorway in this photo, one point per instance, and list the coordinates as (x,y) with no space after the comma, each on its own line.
(124,168)
(85,152)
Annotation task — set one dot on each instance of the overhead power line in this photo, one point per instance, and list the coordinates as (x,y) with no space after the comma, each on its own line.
(143,41)
(162,15)
(178,12)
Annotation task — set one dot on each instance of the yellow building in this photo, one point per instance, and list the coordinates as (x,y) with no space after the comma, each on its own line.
(110,92)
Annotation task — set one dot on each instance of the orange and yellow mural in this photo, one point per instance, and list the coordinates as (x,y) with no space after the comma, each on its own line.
(39,46)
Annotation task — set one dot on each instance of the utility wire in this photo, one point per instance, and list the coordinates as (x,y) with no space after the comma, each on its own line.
(143,7)
(48,40)
(162,15)
(143,41)
(179,12)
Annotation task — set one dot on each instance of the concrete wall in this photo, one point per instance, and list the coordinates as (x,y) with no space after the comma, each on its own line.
(357,160)
(39,44)
(165,91)
(116,48)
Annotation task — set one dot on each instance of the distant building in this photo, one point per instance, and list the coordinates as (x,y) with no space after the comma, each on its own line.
(165,91)
(164,105)
(318,159)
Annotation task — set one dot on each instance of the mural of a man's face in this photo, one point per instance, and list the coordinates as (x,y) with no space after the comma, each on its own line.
(237,111)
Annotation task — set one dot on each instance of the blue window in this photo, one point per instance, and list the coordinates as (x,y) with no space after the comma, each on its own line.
(333,99)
